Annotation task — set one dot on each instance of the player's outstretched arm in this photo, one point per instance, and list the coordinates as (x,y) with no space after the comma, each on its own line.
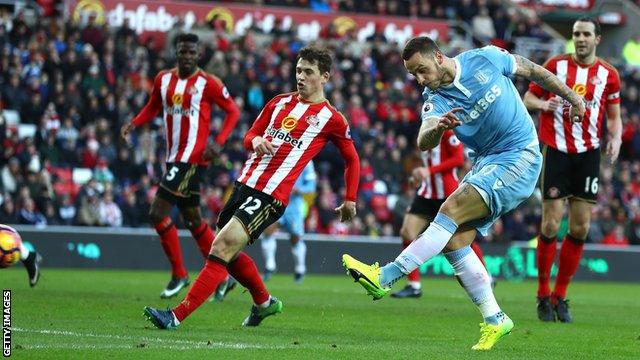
(545,78)
(148,112)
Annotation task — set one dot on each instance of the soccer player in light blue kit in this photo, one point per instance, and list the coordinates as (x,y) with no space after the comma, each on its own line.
(293,223)
(472,94)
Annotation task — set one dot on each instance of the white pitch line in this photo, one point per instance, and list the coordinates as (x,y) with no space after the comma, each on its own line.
(185,343)
(112,347)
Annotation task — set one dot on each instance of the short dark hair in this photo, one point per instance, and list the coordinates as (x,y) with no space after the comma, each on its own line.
(420,44)
(596,23)
(187,38)
(316,56)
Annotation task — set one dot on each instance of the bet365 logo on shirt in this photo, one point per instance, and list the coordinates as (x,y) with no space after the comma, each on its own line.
(482,104)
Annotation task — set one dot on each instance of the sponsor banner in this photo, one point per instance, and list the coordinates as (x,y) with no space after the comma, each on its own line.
(159,16)
(101,248)
(550,5)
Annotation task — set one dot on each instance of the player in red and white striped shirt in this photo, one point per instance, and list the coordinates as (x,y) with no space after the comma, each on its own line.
(572,158)
(291,129)
(186,96)
(438,178)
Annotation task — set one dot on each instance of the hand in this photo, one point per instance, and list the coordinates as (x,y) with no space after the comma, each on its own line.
(211,151)
(552,104)
(125,130)
(577,111)
(418,175)
(613,149)
(261,146)
(449,120)
(346,211)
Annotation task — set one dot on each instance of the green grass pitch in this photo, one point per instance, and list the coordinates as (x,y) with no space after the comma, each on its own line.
(91,314)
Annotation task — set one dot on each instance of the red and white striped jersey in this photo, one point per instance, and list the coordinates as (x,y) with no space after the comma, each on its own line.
(298,130)
(598,83)
(187,105)
(443,162)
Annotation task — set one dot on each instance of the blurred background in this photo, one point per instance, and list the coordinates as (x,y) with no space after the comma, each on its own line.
(72,72)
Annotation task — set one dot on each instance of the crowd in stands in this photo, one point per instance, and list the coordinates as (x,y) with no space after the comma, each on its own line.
(77,84)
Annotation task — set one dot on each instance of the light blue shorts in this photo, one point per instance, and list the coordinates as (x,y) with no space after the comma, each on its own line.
(292,221)
(504,180)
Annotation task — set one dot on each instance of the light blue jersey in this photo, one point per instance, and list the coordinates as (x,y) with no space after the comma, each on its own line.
(494,116)
(293,218)
(496,127)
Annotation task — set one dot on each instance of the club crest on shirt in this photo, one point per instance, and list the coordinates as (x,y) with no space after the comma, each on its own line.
(312,120)
(288,123)
(192,90)
(595,80)
(482,76)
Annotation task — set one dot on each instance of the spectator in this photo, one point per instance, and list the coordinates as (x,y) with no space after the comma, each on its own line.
(89,211)
(8,213)
(12,176)
(631,51)
(110,213)
(66,211)
(482,25)
(29,215)
(616,237)
(132,215)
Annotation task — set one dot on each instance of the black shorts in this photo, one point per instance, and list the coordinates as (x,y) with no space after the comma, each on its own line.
(569,175)
(425,207)
(255,210)
(181,184)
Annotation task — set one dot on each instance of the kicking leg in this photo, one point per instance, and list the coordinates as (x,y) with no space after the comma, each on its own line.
(464,205)
(412,226)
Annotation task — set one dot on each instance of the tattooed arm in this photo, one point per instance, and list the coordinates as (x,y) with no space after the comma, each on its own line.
(433,128)
(545,78)
(429,135)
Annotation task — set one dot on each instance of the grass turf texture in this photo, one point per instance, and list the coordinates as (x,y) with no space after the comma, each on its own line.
(90,314)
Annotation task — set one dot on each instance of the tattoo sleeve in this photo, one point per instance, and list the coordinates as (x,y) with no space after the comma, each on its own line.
(430,135)
(545,78)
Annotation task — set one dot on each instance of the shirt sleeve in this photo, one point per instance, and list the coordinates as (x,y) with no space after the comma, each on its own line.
(500,58)
(153,106)
(260,124)
(434,106)
(221,97)
(341,138)
(613,88)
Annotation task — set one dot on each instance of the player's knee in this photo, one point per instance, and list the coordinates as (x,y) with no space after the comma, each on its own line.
(223,247)
(579,231)
(449,206)
(550,226)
